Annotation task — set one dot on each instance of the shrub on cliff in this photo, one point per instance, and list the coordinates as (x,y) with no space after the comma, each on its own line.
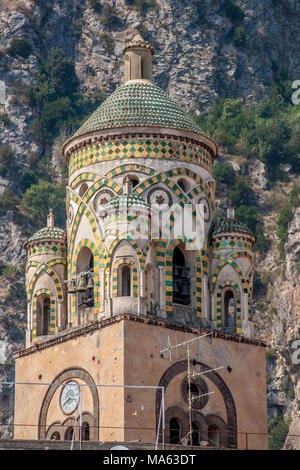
(224,173)
(19,47)
(7,159)
(8,201)
(57,99)
(40,198)
(233,11)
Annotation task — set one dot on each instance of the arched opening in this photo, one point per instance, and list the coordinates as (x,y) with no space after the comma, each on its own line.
(69,433)
(229,309)
(85,280)
(43,315)
(214,436)
(125,281)
(183,184)
(83,189)
(129,183)
(174,431)
(46,316)
(181,279)
(194,390)
(55,436)
(195,434)
(85,431)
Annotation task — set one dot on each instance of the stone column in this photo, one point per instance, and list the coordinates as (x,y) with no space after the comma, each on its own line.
(205,306)
(59,315)
(69,321)
(162,291)
(245,311)
(213,311)
(29,325)
(108,297)
(102,290)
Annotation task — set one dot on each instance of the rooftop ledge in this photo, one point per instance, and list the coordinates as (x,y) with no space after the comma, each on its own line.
(69,334)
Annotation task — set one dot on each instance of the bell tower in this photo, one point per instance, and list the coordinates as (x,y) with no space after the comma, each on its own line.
(145,270)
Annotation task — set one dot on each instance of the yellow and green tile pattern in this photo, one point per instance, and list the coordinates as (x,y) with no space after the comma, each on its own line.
(52,326)
(134,277)
(170,149)
(45,248)
(45,268)
(237,298)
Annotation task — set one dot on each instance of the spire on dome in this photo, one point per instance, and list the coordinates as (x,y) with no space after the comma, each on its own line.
(138,59)
(50,219)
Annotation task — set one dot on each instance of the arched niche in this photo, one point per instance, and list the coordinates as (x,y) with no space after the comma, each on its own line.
(229,429)
(92,419)
(43,305)
(83,189)
(124,280)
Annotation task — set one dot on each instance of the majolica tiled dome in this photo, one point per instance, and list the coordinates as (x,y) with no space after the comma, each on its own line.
(139,104)
(48,232)
(229,225)
(127,200)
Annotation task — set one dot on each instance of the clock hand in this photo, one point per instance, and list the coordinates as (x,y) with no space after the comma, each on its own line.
(68,399)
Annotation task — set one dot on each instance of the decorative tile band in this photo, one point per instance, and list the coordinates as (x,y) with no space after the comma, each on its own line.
(52,325)
(232,243)
(232,263)
(51,273)
(202,186)
(237,254)
(47,248)
(135,167)
(170,149)
(83,209)
(128,237)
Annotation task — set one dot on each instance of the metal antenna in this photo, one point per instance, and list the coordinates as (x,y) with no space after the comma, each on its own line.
(189,436)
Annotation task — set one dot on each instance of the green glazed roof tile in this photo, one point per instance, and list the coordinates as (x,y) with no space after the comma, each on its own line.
(126,200)
(49,232)
(139,104)
(229,225)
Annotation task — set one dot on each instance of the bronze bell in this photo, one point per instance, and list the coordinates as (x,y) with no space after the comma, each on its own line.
(82,284)
(90,283)
(72,287)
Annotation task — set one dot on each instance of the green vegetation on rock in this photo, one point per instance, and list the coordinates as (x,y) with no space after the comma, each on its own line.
(57,99)
(267,130)
(19,47)
(278,430)
(40,198)
(233,11)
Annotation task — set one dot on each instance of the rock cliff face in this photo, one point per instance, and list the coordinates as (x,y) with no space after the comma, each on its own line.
(201,54)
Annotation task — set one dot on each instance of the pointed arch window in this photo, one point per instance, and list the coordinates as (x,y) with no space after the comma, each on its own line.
(181,279)
(43,315)
(125,281)
(229,309)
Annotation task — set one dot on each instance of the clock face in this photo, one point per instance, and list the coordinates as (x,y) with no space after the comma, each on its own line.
(69,397)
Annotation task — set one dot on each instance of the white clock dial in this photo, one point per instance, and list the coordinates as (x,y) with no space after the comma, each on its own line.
(69,397)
